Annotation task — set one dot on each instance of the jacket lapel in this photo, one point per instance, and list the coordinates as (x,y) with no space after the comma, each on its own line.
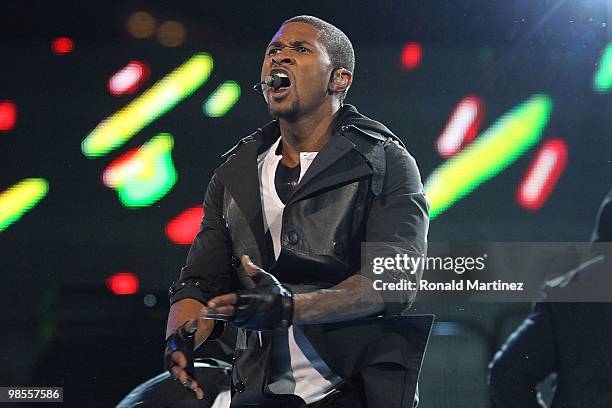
(328,170)
(239,173)
(239,176)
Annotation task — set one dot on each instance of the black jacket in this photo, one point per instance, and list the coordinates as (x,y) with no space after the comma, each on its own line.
(571,339)
(363,186)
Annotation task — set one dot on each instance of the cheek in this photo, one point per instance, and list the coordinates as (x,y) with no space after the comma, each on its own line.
(316,80)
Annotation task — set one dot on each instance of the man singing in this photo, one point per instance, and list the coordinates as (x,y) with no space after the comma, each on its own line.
(279,253)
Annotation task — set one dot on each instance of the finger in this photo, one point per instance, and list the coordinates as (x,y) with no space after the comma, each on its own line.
(191,384)
(250,268)
(222,300)
(179,374)
(199,393)
(179,359)
(227,310)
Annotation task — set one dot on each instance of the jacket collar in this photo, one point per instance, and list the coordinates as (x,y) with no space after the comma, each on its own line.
(364,156)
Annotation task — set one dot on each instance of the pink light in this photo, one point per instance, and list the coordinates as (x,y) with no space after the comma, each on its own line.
(184,227)
(542,175)
(411,55)
(128,79)
(123,283)
(462,127)
(62,45)
(8,115)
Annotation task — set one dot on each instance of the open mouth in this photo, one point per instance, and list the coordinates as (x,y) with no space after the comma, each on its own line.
(285,85)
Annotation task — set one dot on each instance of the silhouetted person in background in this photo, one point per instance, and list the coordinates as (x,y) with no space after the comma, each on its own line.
(571,339)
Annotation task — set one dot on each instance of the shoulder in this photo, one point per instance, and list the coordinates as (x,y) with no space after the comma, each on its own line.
(587,269)
(397,153)
(237,146)
(401,167)
(265,136)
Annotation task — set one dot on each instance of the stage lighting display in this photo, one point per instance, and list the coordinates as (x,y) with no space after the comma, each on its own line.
(128,79)
(171,33)
(62,45)
(603,77)
(493,151)
(183,228)
(117,129)
(543,174)
(141,24)
(20,198)
(462,127)
(222,99)
(144,176)
(123,283)
(411,55)
(8,115)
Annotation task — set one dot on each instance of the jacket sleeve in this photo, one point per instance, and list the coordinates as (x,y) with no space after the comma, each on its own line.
(207,272)
(525,360)
(397,224)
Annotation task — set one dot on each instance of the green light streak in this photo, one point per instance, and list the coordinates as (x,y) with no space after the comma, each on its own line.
(602,82)
(493,151)
(222,99)
(148,175)
(20,198)
(117,129)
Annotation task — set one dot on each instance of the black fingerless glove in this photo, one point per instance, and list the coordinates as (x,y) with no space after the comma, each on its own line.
(182,340)
(266,307)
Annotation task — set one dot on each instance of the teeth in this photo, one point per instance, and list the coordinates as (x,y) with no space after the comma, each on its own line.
(281,74)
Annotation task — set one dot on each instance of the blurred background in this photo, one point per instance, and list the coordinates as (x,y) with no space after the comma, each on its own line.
(114,114)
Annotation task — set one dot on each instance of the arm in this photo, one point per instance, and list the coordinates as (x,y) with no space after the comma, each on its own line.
(525,360)
(208,269)
(188,309)
(206,274)
(352,298)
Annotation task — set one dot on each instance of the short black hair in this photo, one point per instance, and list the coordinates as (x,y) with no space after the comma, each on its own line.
(336,43)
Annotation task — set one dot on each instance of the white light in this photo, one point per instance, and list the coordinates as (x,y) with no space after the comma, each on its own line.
(128,78)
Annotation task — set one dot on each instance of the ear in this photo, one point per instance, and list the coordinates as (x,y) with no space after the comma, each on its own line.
(340,80)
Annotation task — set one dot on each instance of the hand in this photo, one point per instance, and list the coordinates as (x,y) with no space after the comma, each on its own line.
(178,356)
(267,307)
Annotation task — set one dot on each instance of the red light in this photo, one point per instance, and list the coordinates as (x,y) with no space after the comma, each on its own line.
(184,227)
(8,115)
(123,283)
(129,78)
(62,45)
(462,127)
(411,55)
(542,175)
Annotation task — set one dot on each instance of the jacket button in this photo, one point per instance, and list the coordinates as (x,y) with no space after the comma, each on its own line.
(239,386)
(293,237)
(338,248)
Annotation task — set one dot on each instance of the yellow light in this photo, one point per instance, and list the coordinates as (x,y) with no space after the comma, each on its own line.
(20,198)
(117,129)
(493,151)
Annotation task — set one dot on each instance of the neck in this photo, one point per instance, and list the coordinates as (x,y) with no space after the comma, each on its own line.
(308,133)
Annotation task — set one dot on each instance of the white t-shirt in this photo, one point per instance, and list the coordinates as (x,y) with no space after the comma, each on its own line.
(296,366)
